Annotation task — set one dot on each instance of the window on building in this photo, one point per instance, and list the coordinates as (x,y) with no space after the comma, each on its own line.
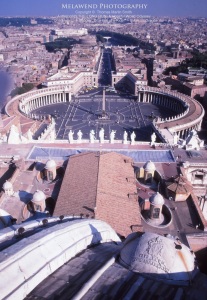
(156,213)
(199,176)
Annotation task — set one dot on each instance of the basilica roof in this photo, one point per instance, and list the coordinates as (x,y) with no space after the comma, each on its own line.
(101,185)
(179,185)
(85,259)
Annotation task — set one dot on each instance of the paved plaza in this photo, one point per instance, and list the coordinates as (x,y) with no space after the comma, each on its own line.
(123,113)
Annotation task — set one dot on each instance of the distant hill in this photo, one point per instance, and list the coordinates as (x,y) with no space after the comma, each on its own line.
(18,22)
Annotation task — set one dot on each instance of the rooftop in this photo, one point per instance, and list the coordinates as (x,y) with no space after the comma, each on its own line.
(101,185)
(98,267)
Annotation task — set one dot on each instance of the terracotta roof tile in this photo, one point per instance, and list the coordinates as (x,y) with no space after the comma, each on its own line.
(104,183)
(117,202)
(179,185)
(78,191)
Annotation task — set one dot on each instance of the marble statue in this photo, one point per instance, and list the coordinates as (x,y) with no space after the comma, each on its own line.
(14,136)
(125,137)
(193,141)
(175,138)
(153,139)
(53,121)
(80,135)
(112,136)
(30,135)
(101,135)
(133,136)
(70,136)
(92,136)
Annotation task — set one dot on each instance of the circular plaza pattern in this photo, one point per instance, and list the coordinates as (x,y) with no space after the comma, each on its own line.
(123,113)
(151,110)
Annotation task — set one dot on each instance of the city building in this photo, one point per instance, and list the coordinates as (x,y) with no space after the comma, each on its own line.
(102,214)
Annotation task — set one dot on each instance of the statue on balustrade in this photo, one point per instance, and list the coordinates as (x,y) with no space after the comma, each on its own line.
(153,139)
(125,137)
(80,135)
(112,136)
(29,135)
(101,135)
(92,136)
(175,138)
(133,137)
(14,135)
(70,136)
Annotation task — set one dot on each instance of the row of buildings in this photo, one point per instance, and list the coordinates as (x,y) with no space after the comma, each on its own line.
(57,210)
(24,56)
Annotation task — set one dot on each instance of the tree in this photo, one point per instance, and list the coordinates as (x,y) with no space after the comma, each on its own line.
(26,87)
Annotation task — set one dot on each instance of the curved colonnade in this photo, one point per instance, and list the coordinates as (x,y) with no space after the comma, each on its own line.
(29,101)
(188,112)
(188,116)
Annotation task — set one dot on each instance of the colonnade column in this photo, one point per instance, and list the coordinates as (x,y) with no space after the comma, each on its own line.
(139,97)
(64,97)
(144,97)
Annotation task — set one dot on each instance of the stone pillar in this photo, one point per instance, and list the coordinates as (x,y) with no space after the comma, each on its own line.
(139,97)
(27,108)
(144,97)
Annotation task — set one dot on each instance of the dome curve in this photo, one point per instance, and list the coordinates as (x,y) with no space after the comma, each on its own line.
(149,166)
(158,256)
(7,185)
(38,196)
(50,164)
(157,199)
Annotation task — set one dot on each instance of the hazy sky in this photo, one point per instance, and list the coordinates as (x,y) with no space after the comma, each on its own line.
(196,8)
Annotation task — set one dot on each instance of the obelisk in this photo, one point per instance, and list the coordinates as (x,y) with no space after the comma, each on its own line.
(104,103)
